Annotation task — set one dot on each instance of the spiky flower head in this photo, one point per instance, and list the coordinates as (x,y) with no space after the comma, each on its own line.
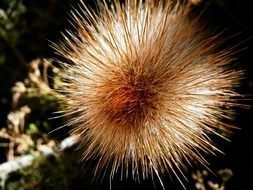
(146,85)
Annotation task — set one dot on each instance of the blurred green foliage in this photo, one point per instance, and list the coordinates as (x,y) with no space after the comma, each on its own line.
(26,100)
(47,172)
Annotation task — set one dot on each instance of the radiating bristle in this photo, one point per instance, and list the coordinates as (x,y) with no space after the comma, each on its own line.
(150,87)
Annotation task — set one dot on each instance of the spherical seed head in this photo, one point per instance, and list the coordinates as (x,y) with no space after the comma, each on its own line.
(147,86)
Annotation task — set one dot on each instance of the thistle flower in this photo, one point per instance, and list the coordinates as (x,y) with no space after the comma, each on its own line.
(146,85)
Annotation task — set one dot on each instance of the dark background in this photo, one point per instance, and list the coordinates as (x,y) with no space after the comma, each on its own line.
(38,22)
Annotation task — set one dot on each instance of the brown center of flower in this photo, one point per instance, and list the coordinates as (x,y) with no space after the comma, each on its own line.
(131,102)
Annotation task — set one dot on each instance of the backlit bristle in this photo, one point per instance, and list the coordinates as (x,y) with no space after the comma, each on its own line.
(147,85)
